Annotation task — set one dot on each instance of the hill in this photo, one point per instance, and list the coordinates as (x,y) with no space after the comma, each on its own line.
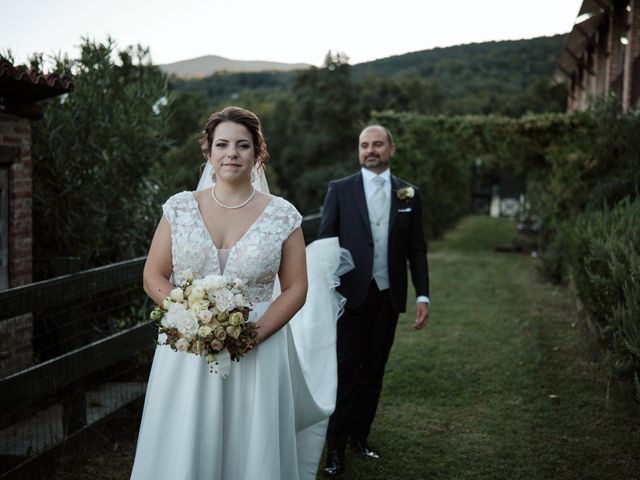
(506,66)
(210,64)
(506,77)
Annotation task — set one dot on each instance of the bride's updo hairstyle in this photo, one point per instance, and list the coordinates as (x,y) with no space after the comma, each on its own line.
(237,115)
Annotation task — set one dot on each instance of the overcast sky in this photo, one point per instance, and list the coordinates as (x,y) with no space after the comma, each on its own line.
(276,30)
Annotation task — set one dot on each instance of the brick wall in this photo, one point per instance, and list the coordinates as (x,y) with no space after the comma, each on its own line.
(16,344)
(16,132)
(16,334)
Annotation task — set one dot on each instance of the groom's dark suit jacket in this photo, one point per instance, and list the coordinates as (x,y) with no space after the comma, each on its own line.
(345,215)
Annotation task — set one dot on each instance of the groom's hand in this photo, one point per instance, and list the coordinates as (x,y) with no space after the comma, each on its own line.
(422,315)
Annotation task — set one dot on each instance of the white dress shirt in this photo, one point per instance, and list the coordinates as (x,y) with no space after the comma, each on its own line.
(381,232)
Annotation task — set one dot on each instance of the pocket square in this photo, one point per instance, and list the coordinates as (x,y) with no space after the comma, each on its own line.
(404,210)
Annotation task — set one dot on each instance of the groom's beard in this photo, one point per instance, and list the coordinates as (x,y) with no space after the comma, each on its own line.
(374,161)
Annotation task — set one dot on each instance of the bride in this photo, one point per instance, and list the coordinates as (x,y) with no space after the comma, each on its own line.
(268,417)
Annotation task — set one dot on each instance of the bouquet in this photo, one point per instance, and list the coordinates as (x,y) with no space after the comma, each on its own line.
(207,317)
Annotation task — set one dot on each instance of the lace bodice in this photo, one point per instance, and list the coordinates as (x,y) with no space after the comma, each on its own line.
(255,258)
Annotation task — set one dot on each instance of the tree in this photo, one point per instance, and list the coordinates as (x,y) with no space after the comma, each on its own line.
(314,132)
(400,94)
(92,153)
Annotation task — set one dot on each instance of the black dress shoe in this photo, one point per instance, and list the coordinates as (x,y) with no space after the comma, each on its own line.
(335,464)
(362,447)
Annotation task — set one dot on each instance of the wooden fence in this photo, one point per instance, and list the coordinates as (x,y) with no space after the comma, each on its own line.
(46,404)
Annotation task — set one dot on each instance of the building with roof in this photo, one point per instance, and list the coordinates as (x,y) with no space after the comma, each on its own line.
(21,89)
(602,54)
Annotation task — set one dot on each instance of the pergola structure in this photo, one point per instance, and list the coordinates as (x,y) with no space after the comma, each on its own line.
(602,54)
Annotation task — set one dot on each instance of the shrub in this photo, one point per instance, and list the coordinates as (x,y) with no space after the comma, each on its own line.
(92,154)
(429,156)
(605,260)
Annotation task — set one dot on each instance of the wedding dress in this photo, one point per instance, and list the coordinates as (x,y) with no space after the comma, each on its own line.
(267,419)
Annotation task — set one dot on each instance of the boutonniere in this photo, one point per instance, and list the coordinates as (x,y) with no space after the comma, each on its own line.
(405,193)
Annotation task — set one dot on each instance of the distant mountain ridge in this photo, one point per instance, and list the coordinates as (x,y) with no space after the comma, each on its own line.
(209,64)
(508,77)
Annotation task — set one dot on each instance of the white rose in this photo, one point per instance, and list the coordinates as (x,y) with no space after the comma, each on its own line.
(177,295)
(182,345)
(213,282)
(197,293)
(181,279)
(168,321)
(224,300)
(166,303)
(405,193)
(240,301)
(206,316)
(204,331)
(197,307)
(238,284)
(172,317)
(187,324)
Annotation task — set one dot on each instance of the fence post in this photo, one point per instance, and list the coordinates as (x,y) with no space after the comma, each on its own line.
(70,331)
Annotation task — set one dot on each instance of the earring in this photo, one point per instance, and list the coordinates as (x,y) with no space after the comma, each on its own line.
(253,176)
(213,176)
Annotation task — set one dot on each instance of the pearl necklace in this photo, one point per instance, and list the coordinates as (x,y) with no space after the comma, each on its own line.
(215,199)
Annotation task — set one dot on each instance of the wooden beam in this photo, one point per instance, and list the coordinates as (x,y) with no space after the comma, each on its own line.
(583,32)
(23,388)
(579,61)
(604,6)
(566,74)
(43,295)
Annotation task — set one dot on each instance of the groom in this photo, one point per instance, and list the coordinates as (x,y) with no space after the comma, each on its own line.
(378,218)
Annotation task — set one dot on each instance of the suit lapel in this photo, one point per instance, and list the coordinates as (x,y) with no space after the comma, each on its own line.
(395,202)
(360,201)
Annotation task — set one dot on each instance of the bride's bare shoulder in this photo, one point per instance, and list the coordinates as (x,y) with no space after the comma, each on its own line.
(199,195)
(263,197)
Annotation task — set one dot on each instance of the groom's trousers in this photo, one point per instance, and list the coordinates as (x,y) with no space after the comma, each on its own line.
(364,338)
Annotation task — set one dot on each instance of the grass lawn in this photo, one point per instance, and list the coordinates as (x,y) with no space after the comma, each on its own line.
(502,383)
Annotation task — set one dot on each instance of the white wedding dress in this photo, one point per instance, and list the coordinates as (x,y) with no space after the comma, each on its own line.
(267,419)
